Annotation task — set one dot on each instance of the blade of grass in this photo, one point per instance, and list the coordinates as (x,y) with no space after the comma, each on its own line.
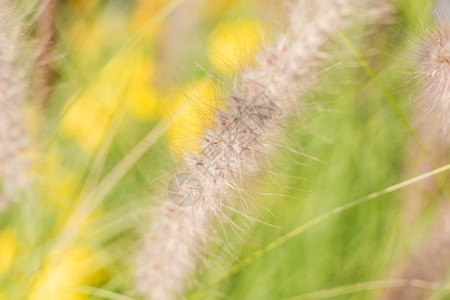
(163,13)
(93,199)
(102,293)
(440,294)
(365,286)
(392,102)
(160,16)
(319,219)
(373,76)
(99,162)
(75,221)
(390,99)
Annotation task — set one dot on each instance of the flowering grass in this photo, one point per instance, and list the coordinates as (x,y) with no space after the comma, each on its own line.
(118,121)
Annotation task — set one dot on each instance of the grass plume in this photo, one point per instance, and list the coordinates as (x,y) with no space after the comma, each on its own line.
(435,75)
(14,136)
(233,147)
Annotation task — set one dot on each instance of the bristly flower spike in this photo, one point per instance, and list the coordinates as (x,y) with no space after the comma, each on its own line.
(14,136)
(435,76)
(241,135)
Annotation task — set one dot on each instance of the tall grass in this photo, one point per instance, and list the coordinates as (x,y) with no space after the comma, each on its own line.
(332,215)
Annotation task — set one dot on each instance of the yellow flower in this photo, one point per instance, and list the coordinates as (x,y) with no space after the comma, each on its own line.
(88,118)
(144,14)
(87,38)
(233,43)
(144,101)
(143,96)
(192,114)
(86,123)
(59,181)
(124,82)
(62,275)
(84,5)
(219,8)
(8,247)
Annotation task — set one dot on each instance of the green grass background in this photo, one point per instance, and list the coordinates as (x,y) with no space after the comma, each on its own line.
(361,143)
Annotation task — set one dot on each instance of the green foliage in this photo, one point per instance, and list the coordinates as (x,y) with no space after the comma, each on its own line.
(353,137)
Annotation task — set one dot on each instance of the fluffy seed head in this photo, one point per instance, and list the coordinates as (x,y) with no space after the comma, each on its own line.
(242,133)
(14,139)
(435,74)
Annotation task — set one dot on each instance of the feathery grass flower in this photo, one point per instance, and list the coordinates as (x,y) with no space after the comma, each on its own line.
(435,75)
(14,137)
(240,135)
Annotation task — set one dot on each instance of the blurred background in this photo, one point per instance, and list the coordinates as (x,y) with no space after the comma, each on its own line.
(146,74)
